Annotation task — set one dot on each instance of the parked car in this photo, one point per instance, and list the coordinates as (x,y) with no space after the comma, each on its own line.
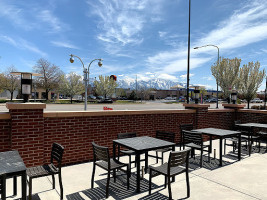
(170,98)
(100,97)
(212,100)
(91,97)
(105,100)
(256,100)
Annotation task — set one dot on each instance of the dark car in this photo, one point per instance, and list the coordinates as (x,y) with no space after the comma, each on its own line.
(105,100)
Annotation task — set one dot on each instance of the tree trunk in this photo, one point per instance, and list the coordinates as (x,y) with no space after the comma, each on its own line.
(11,97)
(248,104)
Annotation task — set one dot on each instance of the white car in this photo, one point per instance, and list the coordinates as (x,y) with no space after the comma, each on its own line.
(256,100)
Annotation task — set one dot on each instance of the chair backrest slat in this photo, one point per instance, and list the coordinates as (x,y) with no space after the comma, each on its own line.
(126,135)
(178,158)
(187,127)
(192,137)
(57,153)
(164,135)
(100,152)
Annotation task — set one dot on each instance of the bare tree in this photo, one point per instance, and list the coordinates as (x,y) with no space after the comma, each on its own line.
(50,75)
(226,74)
(105,86)
(9,82)
(250,78)
(71,84)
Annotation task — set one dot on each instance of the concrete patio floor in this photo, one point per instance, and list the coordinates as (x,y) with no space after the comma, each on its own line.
(235,180)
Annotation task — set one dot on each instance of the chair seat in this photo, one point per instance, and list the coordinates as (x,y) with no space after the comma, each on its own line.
(114,164)
(246,137)
(235,139)
(128,152)
(164,149)
(195,146)
(261,133)
(163,169)
(44,170)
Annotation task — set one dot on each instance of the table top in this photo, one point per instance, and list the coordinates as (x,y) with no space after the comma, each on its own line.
(217,132)
(144,143)
(259,125)
(11,162)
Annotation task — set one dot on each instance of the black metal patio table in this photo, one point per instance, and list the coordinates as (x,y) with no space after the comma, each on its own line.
(221,134)
(12,165)
(141,145)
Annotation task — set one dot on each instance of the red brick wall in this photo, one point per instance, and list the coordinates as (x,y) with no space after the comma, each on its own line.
(27,135)
(32,134)
(5,142)
(77,133)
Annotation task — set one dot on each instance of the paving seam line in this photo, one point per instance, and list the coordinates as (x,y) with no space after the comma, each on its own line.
(228,187)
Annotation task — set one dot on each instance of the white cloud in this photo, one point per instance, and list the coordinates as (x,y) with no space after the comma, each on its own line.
(123,21)
(208,78)
(64,44)
(162,34)
(184,76)
(48,17)
(21,43)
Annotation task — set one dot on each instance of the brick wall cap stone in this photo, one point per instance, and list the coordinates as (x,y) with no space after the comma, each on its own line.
(237,106)
(27,106)
(196,105)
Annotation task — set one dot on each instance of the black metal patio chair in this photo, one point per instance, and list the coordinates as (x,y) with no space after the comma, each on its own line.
(187,127)
(103,160)
(3,186)
(175,166)
(195,141)
(167,136)
(126,151)
(50,169)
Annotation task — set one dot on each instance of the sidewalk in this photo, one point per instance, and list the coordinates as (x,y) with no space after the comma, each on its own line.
(236,180)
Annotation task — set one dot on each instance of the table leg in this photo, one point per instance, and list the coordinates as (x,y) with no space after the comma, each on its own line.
(15,188)
(137,172)
(146,162)
(239,147)
(24,185)
(114,150)
(221,139)
(210,143)
(249,144)
(173,149)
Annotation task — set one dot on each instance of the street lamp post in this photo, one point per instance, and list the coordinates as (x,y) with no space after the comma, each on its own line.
(86,74)
(211,45)
(188,55)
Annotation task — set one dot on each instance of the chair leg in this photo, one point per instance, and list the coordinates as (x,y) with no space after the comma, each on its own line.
(157,156)
(130,160)
(150,179)
(93,176)
(187,184)
(201,157)
(3,189)
(108,180)
(119,152)
(128,176)
(224,145)
(30,188)
(162,159)
(114,175)
(169,188)
(61,185)
(165,184)
(15,185)
(53,179)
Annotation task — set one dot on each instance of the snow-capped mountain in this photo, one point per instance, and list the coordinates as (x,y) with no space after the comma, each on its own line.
(152,83)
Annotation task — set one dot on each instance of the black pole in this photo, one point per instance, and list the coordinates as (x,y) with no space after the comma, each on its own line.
(188,55)
(265,95)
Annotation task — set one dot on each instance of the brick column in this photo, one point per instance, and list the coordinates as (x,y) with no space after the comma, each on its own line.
(236,107)
(27,131)
(201,114)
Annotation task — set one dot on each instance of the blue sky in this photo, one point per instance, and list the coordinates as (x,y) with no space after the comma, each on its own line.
(147,38)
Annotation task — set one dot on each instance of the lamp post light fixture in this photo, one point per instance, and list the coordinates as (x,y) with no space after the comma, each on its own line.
(196,91)
(26,84)
(234,96)
(86,73)
(211,45)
